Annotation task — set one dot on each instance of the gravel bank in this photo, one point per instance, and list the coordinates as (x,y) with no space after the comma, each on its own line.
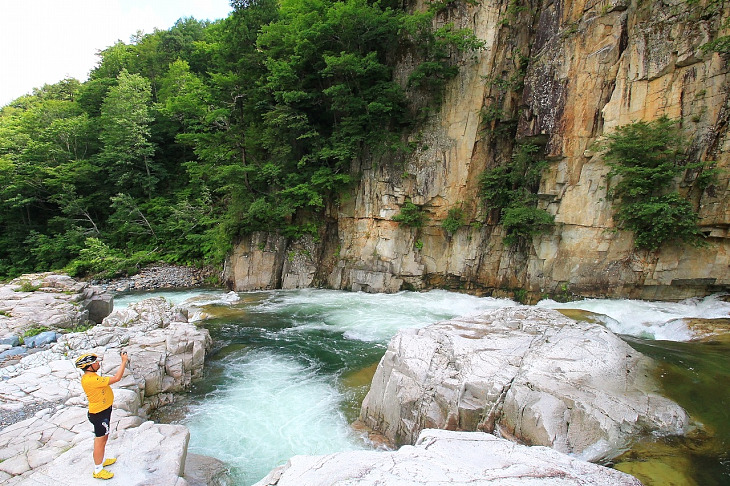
(160,277)
(10,417)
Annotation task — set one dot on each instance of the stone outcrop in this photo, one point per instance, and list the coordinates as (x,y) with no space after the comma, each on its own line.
(146,453)
(55,444)
(587,67)
(50,300)
(444,458)
(523,372)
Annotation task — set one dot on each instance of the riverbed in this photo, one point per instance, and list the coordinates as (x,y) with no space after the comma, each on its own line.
(290,368)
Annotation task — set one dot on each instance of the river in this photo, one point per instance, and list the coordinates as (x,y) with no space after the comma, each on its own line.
(290,368)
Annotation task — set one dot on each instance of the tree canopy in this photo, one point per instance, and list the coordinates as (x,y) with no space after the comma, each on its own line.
(183,139)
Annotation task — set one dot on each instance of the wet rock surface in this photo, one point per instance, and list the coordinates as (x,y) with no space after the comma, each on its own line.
(444,458)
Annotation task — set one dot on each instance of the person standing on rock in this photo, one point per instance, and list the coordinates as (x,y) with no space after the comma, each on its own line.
(100,397)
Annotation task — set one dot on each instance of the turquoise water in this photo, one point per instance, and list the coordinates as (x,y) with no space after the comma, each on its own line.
(290,368)
(279,382)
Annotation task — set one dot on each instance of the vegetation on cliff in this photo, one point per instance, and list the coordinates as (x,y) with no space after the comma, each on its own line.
(511,191)
(647,159)
(183,139)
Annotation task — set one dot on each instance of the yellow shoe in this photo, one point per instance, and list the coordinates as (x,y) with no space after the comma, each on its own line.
(104,474)
(110,461)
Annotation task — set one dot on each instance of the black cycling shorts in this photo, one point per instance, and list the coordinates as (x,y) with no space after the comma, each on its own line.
(101,421)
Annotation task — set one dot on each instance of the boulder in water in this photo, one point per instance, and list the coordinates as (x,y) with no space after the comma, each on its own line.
(526,372)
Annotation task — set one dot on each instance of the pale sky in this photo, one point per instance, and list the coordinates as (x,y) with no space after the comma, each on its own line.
(45,41)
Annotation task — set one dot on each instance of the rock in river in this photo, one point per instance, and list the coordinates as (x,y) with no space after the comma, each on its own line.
(524,372)
(444,458)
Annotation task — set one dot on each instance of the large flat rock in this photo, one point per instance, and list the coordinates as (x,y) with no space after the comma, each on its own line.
(445,458)
(150,454)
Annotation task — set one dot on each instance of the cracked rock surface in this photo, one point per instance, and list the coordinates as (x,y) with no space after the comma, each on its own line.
(445,458)
(50,300)
(527,373)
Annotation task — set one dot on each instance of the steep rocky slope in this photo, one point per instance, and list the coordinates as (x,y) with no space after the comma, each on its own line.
(559,74)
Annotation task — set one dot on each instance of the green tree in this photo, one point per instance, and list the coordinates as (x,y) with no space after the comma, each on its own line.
(42,141)
(183,96)
(127,152)
(331,90)
(438,51)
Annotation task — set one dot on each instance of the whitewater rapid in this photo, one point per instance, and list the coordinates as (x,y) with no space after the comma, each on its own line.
(276,385)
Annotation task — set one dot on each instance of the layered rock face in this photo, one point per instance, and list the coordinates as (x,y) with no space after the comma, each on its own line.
(442,458)
(560,74)
(523,372)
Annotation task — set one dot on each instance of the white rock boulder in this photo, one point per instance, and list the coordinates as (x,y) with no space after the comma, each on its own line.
(525,372)
(445,458)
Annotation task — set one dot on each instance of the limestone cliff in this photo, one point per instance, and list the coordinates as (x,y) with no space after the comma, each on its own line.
(561,73)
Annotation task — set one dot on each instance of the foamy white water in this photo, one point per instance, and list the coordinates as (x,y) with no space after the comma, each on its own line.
(175,296)
(376,317)
(267,408)
(277,387)
(649,320)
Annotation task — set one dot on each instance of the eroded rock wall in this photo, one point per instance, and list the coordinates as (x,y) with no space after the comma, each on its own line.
(562,74)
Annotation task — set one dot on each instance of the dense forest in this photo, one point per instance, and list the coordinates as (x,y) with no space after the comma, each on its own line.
(183,139)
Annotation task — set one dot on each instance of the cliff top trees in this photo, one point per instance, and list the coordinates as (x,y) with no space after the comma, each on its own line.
(184,139)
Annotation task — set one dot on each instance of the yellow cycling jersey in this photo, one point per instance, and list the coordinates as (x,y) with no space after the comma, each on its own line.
(98,392)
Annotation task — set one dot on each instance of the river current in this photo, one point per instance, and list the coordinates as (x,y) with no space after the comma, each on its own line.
(290,368)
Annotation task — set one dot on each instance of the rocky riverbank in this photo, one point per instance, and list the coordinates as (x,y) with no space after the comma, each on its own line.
(36,309)
(45,436)
(161,277)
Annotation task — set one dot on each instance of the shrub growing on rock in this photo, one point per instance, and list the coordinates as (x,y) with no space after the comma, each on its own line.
(647,159)
(512,189)
(454,220)
(411,215)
